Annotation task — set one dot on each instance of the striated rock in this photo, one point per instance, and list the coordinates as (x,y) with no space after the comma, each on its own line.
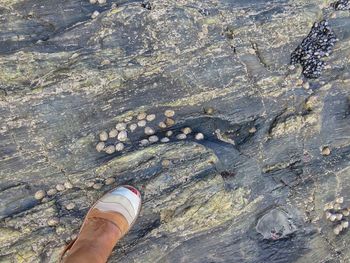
(248,184)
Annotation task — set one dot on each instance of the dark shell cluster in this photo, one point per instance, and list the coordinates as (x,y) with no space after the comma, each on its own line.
(341,5)
(318,44)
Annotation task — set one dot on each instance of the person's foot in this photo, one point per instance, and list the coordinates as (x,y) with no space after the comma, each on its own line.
(108,220)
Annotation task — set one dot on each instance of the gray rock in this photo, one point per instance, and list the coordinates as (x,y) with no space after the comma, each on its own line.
(64,78)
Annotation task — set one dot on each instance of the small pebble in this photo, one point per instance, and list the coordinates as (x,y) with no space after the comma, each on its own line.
(346,212)
(345,224)
(330,205)
(105,62)
(332,218)
(153,138)
(68,185)
(337,206)
(325,151)
(169,122)
(45,199)
(110,149)
(53,221)
(336,230)
(181,136)
(123,136)
(149,131)
(151,117)
(339,216)
(306,85)
(39,194)
(187,130)
(51,192)
(165,139)
(339,200)
(100,146)
(90,184)
(70,206)
(169,133)
(141,116)
(97,186)
(162,125)
(165,163)
(144,142)
(128,118)
(101,2)
(113,133)
(95,14)
(60,187)
(252,130)
(141,123)
(109,181)
(119,147)
(60,230)
(93,2)
(209,110)
(133,127)
(199,136)
(121,126)
(169,113)
(103,136)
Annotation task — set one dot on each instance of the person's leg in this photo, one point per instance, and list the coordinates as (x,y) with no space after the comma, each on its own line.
(105,224)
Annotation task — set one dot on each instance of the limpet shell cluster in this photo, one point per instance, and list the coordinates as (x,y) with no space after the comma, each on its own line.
(337,213)
(115,139)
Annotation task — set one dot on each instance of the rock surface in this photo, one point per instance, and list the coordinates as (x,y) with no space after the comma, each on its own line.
(253,190)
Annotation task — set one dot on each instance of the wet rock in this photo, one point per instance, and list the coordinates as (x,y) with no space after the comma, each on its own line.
(275,224)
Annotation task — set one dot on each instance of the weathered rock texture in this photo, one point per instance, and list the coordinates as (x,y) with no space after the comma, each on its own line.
(65,77)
